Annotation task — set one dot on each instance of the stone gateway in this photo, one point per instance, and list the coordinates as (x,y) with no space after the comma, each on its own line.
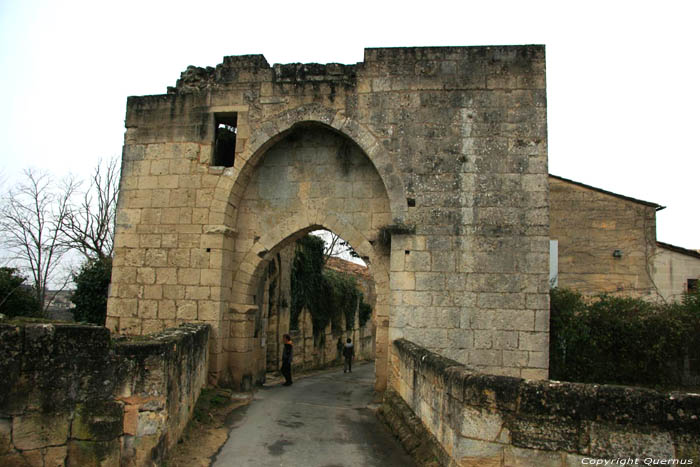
(431,162)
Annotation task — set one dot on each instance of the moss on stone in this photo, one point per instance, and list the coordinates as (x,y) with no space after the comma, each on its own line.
(93,453)
(98,421)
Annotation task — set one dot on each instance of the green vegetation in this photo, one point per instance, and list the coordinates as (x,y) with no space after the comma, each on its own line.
(16,298)
(210,399)
(91,288)
(621,340)
(327,295)
(365,312)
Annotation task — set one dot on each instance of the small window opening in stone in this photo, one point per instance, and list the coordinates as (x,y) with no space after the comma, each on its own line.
(411,202)
(692,285)
(407,252)
(225,139)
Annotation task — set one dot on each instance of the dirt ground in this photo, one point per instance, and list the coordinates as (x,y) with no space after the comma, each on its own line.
(208,429)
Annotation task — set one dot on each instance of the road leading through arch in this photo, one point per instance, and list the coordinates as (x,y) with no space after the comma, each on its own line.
(322,420)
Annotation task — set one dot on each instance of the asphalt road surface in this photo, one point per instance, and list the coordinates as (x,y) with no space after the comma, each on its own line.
(324,420)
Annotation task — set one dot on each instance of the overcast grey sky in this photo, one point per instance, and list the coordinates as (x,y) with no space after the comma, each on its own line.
(622,77)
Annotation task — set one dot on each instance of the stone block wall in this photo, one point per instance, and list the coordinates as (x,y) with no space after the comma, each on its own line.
(590,225)
(69,395)
(318,352)
(466,128)
(475,419)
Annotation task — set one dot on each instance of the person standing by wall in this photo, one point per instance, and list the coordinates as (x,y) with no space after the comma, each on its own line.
(287,356)
(348,353)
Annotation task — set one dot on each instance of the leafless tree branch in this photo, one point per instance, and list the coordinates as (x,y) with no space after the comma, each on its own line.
(334,246)
(31,216)
(89,224)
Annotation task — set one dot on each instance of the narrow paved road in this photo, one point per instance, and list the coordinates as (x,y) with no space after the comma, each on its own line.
(320,421)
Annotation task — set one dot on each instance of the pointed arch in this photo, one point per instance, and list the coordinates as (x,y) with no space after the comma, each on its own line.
(246,277)
(231,185)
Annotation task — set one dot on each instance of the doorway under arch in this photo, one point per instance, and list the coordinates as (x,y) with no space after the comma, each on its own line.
(320,298)
(311,178)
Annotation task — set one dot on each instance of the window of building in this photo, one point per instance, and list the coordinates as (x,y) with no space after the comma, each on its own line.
(225,139)
(692,285)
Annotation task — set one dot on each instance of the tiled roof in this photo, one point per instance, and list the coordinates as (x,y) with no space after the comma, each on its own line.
(678,249)
(348,267)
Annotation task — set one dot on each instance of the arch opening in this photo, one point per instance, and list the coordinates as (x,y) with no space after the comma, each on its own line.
(318,298)
(276,129)
(311,178)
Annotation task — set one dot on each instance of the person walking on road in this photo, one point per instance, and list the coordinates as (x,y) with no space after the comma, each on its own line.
(348,353)
(287,356)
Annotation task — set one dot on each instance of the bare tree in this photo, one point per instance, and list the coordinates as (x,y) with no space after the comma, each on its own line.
(335,246)
(89,224)
(31,217)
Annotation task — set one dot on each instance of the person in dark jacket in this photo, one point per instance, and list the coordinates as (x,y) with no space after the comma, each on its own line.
(348,353)
(287,356)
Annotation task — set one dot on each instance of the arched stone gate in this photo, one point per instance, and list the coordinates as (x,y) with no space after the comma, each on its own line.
(456,141)
(314,177)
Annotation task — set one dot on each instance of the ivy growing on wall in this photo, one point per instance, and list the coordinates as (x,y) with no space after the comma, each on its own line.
(329,296)
(307,280)
(365,312)
(344,297)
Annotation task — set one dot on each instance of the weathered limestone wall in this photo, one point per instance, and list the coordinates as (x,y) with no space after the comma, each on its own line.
(590,225)
(71,396)
(474,419)
(672,269)
(456,138)
(309,351)
(317,352)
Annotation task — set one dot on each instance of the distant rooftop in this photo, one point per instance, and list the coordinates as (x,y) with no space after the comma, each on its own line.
(617,195)
(678,249)
(348,267)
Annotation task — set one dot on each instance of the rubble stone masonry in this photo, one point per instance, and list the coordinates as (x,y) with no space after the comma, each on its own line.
(71,396)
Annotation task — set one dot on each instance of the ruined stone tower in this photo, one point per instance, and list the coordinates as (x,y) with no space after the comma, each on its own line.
(431,162)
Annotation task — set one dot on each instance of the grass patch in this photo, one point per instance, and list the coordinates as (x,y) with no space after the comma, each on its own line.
(210,401)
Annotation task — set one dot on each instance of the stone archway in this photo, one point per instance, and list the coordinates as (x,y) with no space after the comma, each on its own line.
(468,266)
(310,177)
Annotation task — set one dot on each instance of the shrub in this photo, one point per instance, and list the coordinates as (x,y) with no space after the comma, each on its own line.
(16,298)
(620,340)
(91,289)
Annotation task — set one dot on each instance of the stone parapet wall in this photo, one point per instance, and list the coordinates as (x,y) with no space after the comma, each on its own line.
(481,419)
(70,395)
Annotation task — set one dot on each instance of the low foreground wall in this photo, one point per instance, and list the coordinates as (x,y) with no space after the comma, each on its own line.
(474,419)
(70,395)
